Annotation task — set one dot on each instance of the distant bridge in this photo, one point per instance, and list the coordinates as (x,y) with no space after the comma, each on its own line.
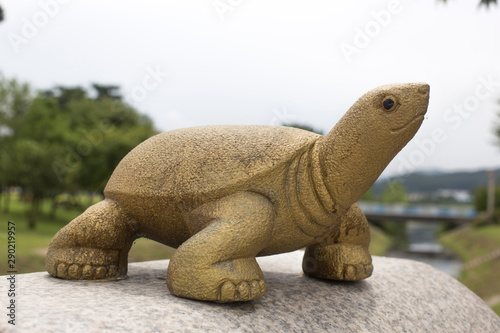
(454,214)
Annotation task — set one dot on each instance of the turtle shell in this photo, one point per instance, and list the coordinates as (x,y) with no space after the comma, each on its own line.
(201,160)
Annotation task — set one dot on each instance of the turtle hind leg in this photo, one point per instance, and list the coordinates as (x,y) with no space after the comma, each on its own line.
(94,246)
(344,255)
(218,262)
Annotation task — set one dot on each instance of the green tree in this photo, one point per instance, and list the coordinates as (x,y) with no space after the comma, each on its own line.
(103,130)
(63,140)
(36,144)
(107,91)
(497,129)
(66,94)
(106,130)
(485,3)
(369,195)
(15,101)
(481,198)
(394,192)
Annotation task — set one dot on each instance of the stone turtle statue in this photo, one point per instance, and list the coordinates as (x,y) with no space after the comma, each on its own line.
(223,195)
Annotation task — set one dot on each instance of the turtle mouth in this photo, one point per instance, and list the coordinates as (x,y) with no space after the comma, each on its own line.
(419,118)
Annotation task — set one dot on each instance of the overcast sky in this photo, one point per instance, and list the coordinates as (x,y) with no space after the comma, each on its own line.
(189,63)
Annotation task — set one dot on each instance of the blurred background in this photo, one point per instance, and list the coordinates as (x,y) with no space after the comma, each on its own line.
(83,82)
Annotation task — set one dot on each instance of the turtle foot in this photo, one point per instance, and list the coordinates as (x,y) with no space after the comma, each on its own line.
(94,246)
(85,272)
(236,280)
(338,262)
(352,272)
(85,264)
(243,291)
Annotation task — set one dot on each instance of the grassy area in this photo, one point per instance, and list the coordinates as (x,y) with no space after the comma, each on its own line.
(471,243)
(496,308)
(31,245)
(380,242)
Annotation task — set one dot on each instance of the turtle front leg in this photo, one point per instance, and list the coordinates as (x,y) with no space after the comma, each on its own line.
(218,262)
(343,255)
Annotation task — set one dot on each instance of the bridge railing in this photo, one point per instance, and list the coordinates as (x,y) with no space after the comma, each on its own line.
(429,210)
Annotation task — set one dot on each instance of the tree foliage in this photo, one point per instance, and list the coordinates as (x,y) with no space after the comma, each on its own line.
(106,91)
(485,3)
(394,192)
(369,195)
(62,140)
(481,198)
(15,101)
(429,183)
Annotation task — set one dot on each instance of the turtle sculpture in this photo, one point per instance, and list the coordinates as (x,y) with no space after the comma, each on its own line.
(223,195)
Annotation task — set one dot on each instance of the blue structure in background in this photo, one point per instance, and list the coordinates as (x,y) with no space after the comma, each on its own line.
(457,214)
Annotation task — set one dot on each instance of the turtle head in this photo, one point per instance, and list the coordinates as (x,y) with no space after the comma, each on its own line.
(361,145)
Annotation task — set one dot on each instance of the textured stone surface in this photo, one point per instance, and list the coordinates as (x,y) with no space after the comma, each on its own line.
(401,296)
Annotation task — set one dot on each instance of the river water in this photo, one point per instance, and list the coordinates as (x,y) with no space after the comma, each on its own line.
(423,246)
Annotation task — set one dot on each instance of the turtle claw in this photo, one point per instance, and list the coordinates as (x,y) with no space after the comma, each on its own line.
(338,262)
(355,272)
(67,265)
(346,272)
(84,272)
(243,291)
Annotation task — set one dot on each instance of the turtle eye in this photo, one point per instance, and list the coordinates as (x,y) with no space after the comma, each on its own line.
(388,104)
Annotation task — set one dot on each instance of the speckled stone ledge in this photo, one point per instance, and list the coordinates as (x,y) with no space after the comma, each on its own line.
(401,296)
